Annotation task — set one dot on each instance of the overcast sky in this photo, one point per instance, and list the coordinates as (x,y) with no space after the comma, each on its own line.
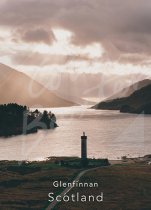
(110,36)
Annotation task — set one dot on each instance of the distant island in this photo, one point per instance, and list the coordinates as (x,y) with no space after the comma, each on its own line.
(139,101)
(16,120)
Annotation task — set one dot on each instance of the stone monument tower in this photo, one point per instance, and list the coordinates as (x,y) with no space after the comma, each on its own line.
(84,160)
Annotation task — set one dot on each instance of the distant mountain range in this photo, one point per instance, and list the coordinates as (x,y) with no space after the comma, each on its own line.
(74,98)
(139,100)
(16,87)
(76,86)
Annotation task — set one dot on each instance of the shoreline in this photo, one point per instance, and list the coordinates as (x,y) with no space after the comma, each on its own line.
(129,160)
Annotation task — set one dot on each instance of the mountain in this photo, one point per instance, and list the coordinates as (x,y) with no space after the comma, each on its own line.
(138,102)
(16,87)
(131,89)
(117,100)
(76,86)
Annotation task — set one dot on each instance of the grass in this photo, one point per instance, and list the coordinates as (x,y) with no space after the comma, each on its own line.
(124,187)
(26,186)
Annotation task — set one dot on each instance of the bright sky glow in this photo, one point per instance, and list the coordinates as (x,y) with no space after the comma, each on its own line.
(63,46)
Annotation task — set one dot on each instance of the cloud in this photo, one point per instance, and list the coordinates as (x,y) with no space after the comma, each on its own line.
(38,35)
(1,39)
(34,59)
(121,27)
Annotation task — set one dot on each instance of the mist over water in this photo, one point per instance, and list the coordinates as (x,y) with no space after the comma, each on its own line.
(110,135)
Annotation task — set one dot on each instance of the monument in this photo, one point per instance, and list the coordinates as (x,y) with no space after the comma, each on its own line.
(84,160)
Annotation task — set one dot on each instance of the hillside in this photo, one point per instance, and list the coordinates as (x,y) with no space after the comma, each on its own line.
(16,87)
(131,89)
(137,102)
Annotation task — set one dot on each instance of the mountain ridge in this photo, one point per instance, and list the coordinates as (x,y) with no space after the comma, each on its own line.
(17,87)
(125,92)
(115,104)
(134,100)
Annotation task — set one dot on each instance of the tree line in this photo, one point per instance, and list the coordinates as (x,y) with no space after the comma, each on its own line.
(16,119)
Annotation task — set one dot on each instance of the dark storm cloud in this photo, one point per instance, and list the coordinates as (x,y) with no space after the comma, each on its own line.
(122,27)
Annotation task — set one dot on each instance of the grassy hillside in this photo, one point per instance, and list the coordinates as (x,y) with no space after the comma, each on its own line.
(26,186)
(125,188)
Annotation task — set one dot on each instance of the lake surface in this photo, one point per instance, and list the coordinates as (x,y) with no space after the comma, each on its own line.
(110,135)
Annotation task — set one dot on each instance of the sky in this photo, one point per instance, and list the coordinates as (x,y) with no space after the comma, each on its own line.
(108,36)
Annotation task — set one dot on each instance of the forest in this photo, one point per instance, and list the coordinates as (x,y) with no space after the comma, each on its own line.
(16,120)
